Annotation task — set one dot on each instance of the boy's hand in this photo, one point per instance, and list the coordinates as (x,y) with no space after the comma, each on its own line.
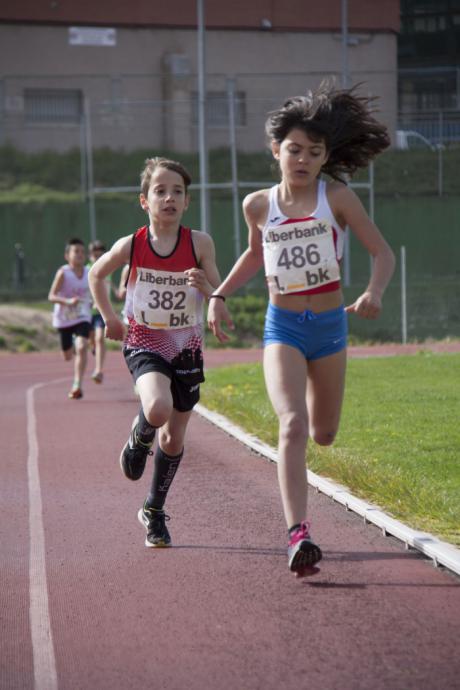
(218,312)
(196,278)
(367,306)
(115,329)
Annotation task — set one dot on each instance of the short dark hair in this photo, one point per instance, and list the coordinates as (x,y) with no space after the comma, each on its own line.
(151,164)
(340,118)
(72,241)
(97,246)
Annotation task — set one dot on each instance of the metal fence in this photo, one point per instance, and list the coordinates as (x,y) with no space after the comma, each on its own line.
(402,190)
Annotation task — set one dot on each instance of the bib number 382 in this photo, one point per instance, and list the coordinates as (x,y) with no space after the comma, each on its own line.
(164,300)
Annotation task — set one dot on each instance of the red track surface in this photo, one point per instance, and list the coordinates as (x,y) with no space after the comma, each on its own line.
(219,610)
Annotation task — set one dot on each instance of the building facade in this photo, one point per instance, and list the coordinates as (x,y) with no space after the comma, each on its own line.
(126,73)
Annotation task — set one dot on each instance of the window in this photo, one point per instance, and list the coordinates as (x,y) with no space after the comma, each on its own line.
(53,106)
(217,108)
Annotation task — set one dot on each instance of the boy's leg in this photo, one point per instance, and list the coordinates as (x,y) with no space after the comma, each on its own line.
(66,338)
(154,390)
(167,457)
(81,349)
(166,463)
(99,344)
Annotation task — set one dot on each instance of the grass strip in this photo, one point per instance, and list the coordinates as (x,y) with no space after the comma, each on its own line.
(399,441)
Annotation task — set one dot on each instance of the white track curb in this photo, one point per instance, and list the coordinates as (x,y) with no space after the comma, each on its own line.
(439,551)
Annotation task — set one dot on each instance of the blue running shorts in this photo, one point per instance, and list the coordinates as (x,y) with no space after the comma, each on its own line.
(315,335)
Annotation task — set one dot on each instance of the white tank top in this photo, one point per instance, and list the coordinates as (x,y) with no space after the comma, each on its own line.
(65,315)
(302,254)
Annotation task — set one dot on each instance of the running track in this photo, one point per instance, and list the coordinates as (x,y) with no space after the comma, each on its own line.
(96,610)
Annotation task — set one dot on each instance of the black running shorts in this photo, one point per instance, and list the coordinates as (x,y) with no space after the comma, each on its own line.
(66,334)
(185,373)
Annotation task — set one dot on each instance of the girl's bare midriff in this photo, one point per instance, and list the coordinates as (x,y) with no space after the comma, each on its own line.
(323,301)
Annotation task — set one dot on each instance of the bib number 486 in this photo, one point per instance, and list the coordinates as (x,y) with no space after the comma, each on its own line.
(298,257)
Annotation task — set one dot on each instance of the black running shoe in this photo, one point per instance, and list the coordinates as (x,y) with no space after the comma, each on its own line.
(134,455)
(154,522)
(303,553)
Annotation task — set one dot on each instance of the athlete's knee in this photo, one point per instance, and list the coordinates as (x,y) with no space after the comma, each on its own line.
(293,426)
(157,411)
(81,345)
(68,354)
(323,437)
(170,444)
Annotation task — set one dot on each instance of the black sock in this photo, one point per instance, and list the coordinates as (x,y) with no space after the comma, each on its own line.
(292,529)
(164,470)
(145,432)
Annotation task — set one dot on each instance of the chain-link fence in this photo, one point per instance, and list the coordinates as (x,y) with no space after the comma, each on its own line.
(91,149)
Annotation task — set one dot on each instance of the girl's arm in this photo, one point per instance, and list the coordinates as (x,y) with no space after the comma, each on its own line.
(245,268)
(103,267)
(349,210)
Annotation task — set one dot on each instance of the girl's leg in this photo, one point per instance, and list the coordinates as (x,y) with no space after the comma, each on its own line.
(285,370)
(325,388)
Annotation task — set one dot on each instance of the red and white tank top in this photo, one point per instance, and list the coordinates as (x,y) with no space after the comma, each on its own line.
(164,313)
(302,255)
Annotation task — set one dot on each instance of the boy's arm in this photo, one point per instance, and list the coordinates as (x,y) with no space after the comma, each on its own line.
(108,263)
(56,286)
(121,292)
(206,277)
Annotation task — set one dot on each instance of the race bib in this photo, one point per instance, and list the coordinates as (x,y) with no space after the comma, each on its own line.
(72,312)
(300,256)
(79,311)
(163,299)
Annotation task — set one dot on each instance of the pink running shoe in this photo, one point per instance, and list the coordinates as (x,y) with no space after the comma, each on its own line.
(303,553)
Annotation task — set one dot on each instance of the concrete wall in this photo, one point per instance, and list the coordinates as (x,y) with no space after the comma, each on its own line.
(136,100)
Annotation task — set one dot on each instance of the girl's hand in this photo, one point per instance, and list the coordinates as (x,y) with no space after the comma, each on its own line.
(73,301)
(367,306)
(115,329)
(218,312)
(196,278)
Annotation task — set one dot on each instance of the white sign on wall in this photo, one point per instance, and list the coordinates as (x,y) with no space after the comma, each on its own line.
(92,36)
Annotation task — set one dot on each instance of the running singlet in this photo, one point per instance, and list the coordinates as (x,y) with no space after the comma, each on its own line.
(302,255)
(164,313)
(65,315)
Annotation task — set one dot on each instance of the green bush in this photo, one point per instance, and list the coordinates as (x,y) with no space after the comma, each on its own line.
(397,173)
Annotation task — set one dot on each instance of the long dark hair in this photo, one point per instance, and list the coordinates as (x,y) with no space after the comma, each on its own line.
(340,118)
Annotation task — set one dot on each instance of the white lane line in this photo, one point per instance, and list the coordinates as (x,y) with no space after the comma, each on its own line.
(441,552)
(45,675)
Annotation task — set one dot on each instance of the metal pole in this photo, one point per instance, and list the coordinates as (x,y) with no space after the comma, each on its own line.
(403,296)
(234,165)
(344,17)
(344,20)
(83,164)
(90,172)
(371,204)
(440,159)
(203,151)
